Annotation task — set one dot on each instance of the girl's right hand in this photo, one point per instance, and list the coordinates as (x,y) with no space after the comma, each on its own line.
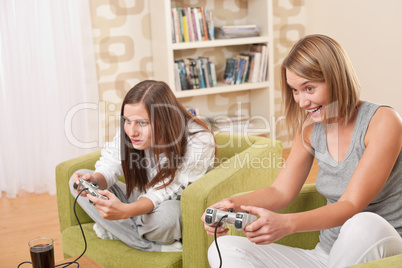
(225,204)
(86,177)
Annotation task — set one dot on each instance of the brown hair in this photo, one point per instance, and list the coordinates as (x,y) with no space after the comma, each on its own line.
(169,122)
(320,58)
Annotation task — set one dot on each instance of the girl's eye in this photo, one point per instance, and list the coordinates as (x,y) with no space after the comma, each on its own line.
(143,123)
(127,121)
(309,89)
(294,91)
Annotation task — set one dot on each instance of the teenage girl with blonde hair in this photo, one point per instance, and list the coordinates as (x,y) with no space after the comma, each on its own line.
(358,149)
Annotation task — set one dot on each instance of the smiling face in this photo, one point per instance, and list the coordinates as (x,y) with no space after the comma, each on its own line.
(309,95)
(137,125)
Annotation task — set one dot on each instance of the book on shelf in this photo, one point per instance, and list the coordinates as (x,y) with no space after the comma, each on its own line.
(237,31)
(185,25)
(181,71)
(177,77)
(192,24)
(249,66)
(263,62)
(228,75)
(195,73)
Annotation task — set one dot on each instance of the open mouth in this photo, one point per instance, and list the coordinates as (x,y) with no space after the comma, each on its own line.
(316,111)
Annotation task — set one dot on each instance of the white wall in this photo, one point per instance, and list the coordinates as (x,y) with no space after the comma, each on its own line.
(371,33)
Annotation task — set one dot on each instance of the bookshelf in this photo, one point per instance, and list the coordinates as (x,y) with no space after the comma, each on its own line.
(165,52)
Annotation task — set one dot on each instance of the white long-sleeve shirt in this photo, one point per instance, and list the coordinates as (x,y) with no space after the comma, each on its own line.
(198,159)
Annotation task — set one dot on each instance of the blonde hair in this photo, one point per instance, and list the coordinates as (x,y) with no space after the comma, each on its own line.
(320,58)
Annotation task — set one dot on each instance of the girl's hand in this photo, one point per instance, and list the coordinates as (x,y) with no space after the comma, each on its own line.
(225,204)
(86,177)
(112,209)
(269,228)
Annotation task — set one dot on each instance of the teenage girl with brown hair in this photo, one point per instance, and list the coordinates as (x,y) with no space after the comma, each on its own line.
(160,149)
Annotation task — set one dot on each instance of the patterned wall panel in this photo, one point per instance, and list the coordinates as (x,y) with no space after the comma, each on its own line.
(122,41)
(289,27)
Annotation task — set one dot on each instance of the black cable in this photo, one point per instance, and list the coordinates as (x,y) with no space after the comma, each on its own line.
(23,263)
(66,264)
(216,240)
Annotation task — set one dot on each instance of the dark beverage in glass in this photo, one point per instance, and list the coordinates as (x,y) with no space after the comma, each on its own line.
(42,253)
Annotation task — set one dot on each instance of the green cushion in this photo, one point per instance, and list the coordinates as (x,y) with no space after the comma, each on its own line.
(390,262)
(113,253)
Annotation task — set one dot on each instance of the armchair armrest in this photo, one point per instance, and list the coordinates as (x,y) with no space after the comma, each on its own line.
(65,201)
(253,168)
(308,199)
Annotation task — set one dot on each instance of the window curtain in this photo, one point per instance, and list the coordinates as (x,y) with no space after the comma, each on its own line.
(48,91)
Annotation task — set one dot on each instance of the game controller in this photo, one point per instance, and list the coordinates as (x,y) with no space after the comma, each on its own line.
(239,219)
(91,188)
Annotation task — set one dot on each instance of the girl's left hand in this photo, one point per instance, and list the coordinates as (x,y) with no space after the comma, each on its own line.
(112,209)
(268,228)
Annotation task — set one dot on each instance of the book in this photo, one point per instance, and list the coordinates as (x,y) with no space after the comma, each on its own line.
(237,31)
(185,26)
(193,69)
(263,60)
(175,15)
(256,67)
(177,77)
(228,75)
(207,18)
(207,71)
(189,76)
(172,29)
(200,73)
(245,68)
(197,24)
(204,23)
(213,74)
(249,65)
(182,74)
(239,73)
(180,16)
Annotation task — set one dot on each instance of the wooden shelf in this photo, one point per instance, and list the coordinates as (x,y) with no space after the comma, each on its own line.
(221,43)
(221,88)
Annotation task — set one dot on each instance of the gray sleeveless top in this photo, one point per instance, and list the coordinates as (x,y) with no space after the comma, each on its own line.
(333,176)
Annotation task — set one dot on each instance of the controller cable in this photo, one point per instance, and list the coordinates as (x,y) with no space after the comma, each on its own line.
(66,264)
(216,240)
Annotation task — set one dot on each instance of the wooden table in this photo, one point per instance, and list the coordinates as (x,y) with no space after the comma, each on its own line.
(84,261)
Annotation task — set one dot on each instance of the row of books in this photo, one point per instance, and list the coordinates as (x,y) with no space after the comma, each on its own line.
(192,24)
(194,73)
(249,66)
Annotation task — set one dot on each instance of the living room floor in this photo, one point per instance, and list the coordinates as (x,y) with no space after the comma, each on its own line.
(35,215)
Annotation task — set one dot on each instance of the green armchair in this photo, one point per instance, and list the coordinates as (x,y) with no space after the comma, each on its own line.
(246,163)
